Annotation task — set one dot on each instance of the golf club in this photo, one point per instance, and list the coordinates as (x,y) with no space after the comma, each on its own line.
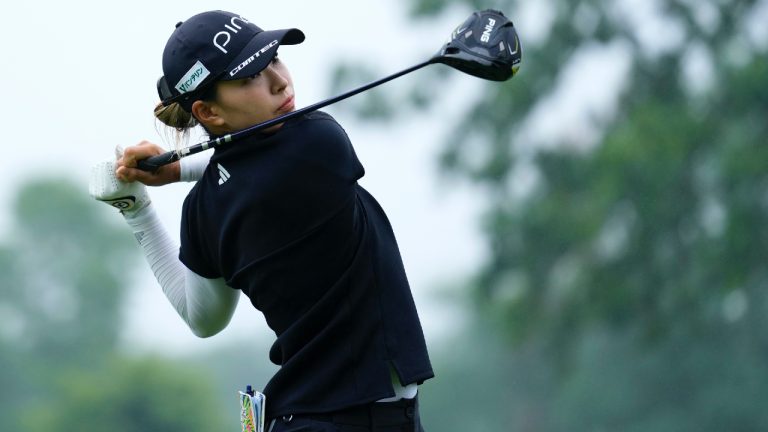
(485,45)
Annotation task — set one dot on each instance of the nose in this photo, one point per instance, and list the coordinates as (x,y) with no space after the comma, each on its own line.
(278,82)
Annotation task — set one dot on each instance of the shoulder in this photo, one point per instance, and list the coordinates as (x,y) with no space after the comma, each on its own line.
(320,116)
(320,124)
(319,140)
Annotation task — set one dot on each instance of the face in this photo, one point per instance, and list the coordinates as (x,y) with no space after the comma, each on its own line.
(245,102)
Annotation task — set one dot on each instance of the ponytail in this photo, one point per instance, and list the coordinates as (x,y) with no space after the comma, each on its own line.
(175,116)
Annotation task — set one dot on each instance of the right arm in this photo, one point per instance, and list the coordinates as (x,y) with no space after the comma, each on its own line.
(186,170)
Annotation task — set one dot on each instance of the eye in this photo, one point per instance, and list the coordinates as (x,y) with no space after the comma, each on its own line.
(248,79)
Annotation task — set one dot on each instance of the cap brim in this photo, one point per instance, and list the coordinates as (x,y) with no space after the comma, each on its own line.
(260,51)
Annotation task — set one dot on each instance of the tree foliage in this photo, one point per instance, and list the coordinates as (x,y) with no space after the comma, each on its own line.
(634,230)
(65,276)
(629,276)
(130,395)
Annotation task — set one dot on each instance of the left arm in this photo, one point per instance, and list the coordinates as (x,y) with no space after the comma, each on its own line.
(206,305)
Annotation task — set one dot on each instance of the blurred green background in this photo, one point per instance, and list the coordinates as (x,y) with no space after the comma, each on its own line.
(625,288)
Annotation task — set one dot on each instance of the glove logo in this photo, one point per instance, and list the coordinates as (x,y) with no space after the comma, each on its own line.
(124,203)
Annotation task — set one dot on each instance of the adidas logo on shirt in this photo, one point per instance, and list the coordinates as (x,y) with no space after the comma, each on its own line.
(223,174)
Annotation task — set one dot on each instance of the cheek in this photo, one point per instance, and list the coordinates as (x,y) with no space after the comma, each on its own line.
(252,108)
(247,101)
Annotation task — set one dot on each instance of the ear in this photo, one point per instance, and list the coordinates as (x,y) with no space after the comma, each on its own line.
(206,113)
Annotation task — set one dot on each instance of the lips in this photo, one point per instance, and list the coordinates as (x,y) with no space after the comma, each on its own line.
(287,106)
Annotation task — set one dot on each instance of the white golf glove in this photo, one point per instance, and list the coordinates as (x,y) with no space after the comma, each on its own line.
(104,186)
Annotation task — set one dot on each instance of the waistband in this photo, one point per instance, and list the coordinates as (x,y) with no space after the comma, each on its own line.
(375,413)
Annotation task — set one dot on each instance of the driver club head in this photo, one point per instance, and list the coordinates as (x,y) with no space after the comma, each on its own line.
(485,45)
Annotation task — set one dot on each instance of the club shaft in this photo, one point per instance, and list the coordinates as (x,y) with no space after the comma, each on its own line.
(155,162)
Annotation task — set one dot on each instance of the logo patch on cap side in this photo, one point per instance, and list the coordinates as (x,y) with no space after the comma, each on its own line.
(192,78)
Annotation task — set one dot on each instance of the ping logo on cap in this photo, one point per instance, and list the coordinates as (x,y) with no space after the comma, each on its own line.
(233,28)
(192,78)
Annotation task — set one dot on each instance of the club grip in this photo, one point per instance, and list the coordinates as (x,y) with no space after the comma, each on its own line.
(154,163)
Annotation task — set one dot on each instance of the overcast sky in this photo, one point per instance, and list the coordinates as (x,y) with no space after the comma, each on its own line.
(79,78)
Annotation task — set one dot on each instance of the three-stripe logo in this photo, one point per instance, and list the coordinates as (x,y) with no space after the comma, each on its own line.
(223,174)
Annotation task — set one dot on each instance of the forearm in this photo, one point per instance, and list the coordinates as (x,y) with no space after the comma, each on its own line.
(206,305)
(191,168)
(187,169)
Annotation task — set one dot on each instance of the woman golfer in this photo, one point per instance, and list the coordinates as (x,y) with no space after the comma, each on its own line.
(281,218)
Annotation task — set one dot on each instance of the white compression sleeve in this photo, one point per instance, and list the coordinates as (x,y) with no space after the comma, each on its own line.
(206,305)
(191,168)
